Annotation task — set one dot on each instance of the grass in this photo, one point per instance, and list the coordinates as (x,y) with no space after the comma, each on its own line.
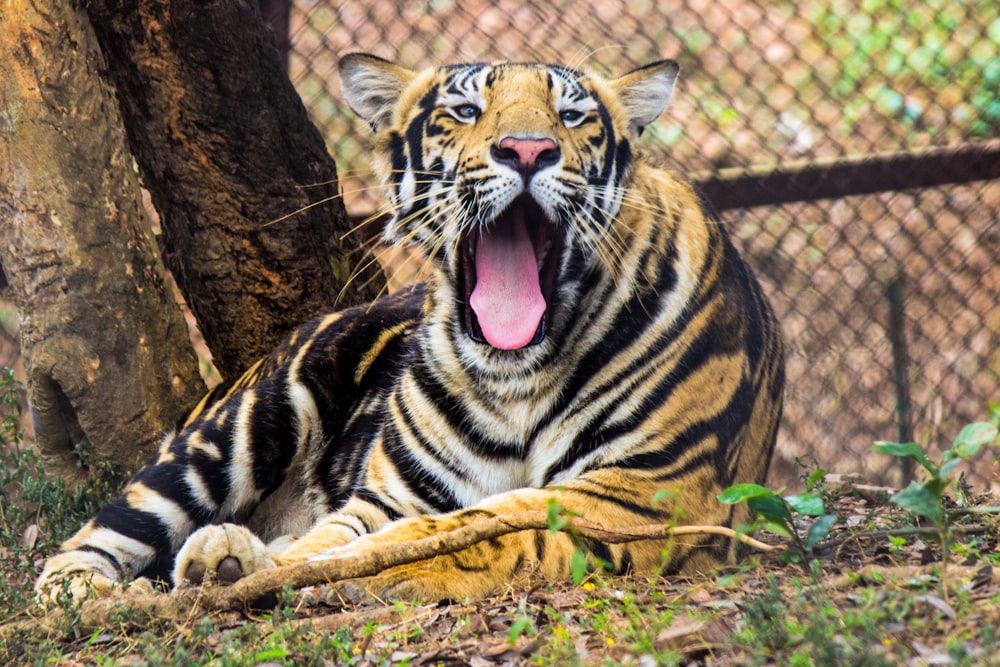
(36,512)
(760,612)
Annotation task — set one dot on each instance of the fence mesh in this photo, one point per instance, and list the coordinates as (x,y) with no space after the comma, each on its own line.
(857,281)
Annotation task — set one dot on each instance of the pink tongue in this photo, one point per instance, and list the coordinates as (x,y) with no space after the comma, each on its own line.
(507,299)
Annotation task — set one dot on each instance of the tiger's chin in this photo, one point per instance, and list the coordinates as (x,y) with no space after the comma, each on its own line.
(508,270)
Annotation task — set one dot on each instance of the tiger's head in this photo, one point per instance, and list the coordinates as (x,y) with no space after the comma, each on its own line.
(508,177)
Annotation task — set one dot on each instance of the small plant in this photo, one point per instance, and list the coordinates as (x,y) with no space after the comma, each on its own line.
(802,625)
(778,514)
(521,625)
(926,498)
(37,512)
(561,519)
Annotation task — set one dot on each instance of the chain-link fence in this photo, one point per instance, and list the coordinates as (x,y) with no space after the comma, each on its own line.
(889,301)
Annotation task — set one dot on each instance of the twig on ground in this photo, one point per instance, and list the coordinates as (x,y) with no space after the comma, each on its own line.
(928,531)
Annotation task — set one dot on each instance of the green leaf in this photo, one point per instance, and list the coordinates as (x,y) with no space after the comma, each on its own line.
(971,438)
(994,406)
(815,478)
(909,450)
(806,503)
(578,567)
(269,655)
(819,530)
(949,466)
(661,495)
(919,500)
(522,624)
(777,527)
(554,518)
(936,486)
(791,556)
(737,493)
(770,507)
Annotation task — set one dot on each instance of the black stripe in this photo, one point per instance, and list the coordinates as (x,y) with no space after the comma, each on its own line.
(611,150)
(455,413)
(624,565)
(397,160)
(623,160)
(667,456)
(415,144)
(273,434)
(371,498)
(630,323)
(367,526)
(519,563)
(600,550)
(477,564)
(420,481)
(89,548)
(135,524)
(167,480)
(212,471)
(446,403)
(540,545)
(414,431)
(700,544)
(646,511)
(341,464)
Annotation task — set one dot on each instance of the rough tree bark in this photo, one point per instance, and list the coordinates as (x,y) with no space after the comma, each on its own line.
(226,148)
(105,346)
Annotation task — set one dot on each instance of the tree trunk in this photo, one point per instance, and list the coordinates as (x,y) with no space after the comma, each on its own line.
(233,163)
(106,350)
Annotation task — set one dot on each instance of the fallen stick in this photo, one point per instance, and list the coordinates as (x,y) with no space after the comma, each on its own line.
(312,573)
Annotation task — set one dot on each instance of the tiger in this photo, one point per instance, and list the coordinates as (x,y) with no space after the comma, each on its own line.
(589,339)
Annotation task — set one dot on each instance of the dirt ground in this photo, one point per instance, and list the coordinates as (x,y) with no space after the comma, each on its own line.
(876,593)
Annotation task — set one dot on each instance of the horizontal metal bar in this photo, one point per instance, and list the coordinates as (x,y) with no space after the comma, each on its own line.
(853,175)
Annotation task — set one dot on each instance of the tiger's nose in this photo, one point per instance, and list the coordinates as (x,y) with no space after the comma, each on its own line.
(526,154)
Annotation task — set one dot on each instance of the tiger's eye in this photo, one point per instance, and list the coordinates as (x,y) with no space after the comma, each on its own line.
(570,116)
(467,111)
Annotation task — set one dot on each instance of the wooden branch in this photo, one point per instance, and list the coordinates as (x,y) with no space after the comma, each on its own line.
(928,531)
(185,604)
(318,572)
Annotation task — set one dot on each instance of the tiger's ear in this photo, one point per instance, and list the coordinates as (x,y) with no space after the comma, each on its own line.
(646,91)
(372,86)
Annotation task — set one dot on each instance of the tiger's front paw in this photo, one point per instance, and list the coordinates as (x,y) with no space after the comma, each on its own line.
(223,553)
(77,575)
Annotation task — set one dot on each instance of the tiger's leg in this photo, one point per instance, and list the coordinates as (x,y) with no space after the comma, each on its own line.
(228,552)
(217,468)
(610,498)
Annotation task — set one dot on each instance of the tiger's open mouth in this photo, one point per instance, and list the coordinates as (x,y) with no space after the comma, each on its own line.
(509,268)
